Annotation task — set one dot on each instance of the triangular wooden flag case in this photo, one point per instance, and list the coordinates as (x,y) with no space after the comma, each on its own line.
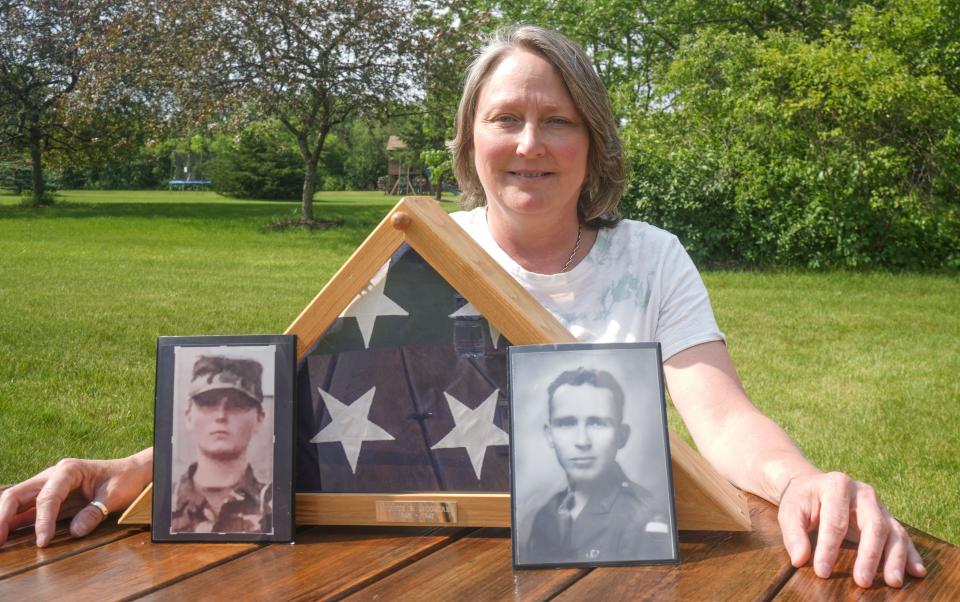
(704,500)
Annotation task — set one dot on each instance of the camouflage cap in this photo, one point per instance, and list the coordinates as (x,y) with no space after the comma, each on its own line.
(213,372)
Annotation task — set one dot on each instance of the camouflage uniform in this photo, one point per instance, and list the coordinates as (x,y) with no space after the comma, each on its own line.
(622,522)
(248,508)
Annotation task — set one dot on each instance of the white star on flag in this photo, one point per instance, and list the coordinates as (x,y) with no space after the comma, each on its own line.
(469,310)
(371,303)
(473,429)
(350,426)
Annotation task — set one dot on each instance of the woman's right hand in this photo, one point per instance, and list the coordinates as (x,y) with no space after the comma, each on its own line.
(68,488)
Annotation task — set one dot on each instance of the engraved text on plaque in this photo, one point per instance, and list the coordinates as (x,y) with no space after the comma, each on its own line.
(417,512)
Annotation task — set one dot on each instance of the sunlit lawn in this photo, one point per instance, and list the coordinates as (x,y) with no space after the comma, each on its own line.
(860,368)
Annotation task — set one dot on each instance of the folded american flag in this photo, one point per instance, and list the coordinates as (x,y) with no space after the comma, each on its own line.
(406,391)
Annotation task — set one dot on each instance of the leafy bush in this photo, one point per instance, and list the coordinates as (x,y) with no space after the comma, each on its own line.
(332,182)
(15,175)
(141,171)
(363,157)
(261,163)
(838,151)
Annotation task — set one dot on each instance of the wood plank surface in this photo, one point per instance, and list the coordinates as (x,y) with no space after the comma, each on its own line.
(21,553)
(324,562)
(476,567)
(714,566)
(126,567)
(941,583)
(440,564)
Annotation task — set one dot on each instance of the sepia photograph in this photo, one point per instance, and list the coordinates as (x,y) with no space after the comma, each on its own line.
(590,456)
(224,454)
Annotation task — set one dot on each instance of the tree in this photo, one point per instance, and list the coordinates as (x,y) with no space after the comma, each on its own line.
(456,30)
(40,64)
(631,42)
(826,152)
(440,165)
(48,54)
(365,155)
(310,64)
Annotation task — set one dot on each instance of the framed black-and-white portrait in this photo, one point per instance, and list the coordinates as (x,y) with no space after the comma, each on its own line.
(223,438)
(590,456)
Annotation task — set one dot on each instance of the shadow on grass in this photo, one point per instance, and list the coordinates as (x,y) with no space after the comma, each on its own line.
(351,215)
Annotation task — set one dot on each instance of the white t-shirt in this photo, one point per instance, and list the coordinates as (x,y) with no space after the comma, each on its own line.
(636,284)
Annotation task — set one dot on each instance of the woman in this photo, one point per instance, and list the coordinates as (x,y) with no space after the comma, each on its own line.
(537,149)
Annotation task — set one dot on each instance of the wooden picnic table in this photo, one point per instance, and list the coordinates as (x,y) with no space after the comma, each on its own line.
(430,563)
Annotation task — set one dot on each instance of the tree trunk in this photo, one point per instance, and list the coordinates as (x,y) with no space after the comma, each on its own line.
(36,165)
(309,186)
(439,190)
(310,161)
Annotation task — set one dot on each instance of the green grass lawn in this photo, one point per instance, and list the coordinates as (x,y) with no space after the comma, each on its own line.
(860,368)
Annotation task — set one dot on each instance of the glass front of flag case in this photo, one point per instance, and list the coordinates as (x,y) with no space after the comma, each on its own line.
(405,392)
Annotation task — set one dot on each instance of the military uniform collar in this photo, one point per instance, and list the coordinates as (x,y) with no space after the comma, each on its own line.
(248,485)
(605,494)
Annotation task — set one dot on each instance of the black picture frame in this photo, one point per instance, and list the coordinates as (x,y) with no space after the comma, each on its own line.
(192,368)
(588,487)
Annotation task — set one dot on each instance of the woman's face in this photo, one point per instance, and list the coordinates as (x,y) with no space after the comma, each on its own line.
(529,142)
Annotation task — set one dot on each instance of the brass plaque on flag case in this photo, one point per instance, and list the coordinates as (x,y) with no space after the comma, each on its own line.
(417,512)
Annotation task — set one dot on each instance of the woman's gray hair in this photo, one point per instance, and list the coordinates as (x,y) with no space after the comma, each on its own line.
(605,180)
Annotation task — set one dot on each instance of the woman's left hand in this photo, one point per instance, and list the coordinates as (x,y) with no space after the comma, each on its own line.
(840,508)
(755,454)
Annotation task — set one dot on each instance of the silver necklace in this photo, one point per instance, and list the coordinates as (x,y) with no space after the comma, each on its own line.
(576,247)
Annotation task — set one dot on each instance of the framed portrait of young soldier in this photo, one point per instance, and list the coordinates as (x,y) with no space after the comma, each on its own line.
(223,439)
(590,456)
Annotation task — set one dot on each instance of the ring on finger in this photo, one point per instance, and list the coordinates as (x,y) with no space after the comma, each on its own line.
(101,507)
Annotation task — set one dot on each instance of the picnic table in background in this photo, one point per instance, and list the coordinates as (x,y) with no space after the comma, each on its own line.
(389,563)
